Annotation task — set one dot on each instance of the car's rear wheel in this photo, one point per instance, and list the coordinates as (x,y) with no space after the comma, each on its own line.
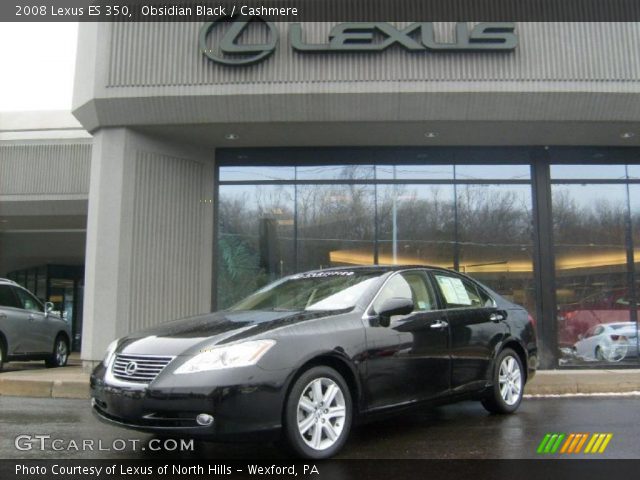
(613,353)
(318,413)
(508,384)
(60,354)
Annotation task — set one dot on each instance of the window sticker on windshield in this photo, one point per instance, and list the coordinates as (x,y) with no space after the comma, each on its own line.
(453,290)
(323,275)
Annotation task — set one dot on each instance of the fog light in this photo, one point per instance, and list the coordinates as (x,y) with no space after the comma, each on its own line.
(204,419)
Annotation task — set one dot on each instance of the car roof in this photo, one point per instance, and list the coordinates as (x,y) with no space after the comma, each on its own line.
(382,268)
(10,282)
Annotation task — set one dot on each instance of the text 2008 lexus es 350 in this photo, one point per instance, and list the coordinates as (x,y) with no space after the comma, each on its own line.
(307,355)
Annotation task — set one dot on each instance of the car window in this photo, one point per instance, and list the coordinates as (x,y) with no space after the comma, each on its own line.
(319,290)
(7,298)
(458,292)
(409,285)
(485,298)
(29,302)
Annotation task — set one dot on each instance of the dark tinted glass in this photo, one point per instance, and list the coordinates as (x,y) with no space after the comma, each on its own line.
(29,302)
(7,298)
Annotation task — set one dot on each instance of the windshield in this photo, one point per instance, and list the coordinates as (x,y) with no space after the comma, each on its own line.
(314,291)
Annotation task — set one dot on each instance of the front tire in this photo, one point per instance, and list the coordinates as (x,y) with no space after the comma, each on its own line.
(318,413)
(60,354)
(508,384)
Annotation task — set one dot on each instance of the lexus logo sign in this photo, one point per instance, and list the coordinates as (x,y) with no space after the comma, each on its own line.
(349,37)
(230,51)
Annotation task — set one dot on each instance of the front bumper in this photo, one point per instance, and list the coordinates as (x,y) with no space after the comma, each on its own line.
(243,404)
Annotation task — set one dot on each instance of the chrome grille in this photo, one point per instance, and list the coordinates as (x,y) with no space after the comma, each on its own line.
(138,368)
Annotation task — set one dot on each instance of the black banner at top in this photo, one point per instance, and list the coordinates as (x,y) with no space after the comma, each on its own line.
(321,10)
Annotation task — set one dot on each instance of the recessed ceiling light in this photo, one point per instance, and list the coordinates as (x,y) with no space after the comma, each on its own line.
(232,136)
(627,135)
(431,134)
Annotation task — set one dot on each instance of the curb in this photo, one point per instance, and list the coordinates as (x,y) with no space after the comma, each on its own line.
(559,382)
(72,382)
(68,382)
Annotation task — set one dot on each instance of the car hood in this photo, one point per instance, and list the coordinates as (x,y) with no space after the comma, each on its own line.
(189,335)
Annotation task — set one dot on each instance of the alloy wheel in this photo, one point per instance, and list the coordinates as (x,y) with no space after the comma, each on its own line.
(61,353)
(321,413)
(510,380)
(611,353)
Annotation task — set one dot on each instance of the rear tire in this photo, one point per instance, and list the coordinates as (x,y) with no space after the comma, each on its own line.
(508,384)
(60,354)
(318,414)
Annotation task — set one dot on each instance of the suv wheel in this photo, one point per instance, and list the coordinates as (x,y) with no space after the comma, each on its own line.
(508,384)
(318,413)
(60,353)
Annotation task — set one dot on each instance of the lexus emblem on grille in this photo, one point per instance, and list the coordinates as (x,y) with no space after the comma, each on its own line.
(131,368)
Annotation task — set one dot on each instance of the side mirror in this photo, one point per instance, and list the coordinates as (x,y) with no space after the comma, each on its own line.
(580,337)
(48,307)
(394,306)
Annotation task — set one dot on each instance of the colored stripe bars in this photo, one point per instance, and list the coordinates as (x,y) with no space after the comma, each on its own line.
(574,443)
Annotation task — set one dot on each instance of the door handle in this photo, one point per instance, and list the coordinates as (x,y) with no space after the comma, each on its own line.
(3,315)
(32,317)
(496,317)
(438,324)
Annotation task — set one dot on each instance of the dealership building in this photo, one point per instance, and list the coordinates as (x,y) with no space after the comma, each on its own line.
(202,161)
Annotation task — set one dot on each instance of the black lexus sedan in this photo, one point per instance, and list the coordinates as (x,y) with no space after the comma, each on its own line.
(305,356)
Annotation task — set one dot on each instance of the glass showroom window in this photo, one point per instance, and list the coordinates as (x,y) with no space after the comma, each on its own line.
(273,221)
(495,239)
(255,238)
(595,292)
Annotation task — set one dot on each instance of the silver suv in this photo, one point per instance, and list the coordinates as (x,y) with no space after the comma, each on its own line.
(29,330)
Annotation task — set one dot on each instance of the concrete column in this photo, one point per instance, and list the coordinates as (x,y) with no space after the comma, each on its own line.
(149,236)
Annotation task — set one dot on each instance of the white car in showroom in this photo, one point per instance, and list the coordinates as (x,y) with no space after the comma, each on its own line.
(608,342)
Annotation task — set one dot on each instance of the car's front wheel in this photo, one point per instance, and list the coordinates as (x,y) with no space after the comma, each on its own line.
(60,353)
(508,384)
(318,413)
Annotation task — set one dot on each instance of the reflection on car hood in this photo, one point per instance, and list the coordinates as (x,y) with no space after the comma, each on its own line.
(186,336)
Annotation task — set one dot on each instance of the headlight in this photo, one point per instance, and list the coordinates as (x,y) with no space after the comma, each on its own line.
(217,358)
(108,355)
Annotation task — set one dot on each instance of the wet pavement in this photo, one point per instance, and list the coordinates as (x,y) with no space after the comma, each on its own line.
(459,431)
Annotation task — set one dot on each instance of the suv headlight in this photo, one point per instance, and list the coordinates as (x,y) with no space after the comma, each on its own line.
(111,350)
(232,356)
